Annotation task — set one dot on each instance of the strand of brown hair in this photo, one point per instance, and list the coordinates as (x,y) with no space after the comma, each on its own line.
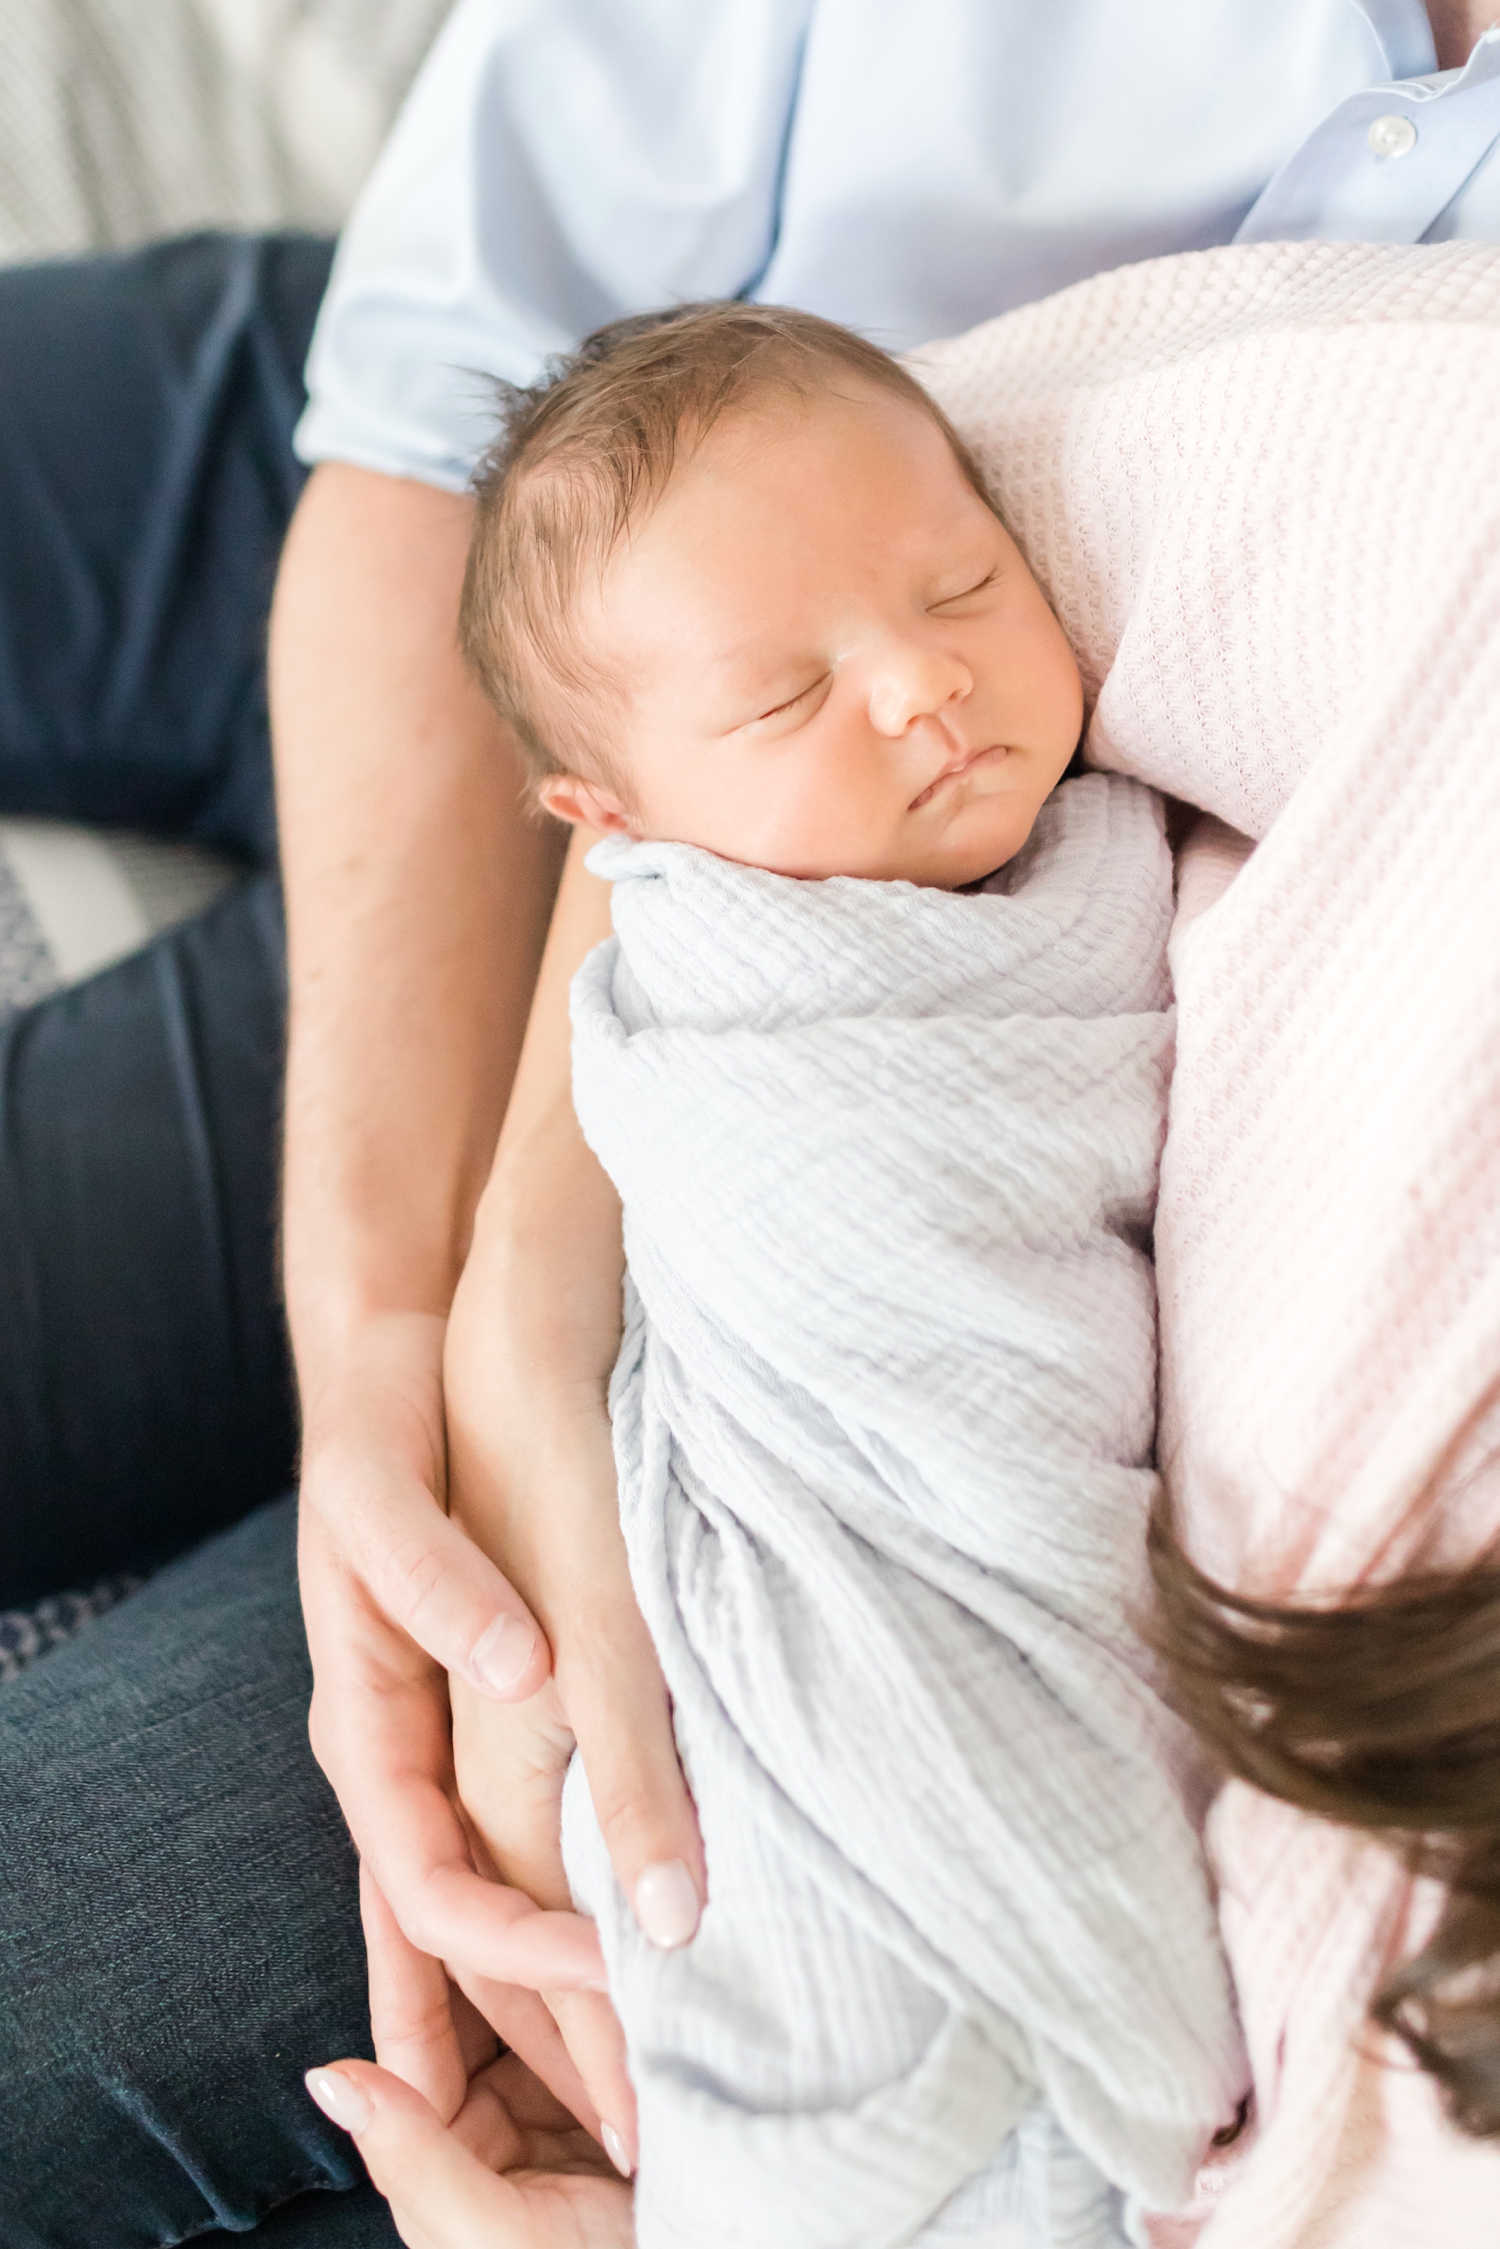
(1380,1713)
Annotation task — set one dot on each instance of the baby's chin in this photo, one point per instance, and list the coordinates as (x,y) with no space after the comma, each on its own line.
(979,839)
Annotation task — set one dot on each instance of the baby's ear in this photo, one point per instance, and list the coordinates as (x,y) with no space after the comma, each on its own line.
(584,804)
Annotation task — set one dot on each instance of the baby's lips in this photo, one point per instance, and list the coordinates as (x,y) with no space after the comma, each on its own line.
(951,771)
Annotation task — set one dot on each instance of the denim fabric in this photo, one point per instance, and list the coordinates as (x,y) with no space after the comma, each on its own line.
(179,1936)
(147,401)
(179,1929)
(145,1397)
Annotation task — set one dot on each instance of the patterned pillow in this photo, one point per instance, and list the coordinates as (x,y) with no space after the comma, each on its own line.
(72,900)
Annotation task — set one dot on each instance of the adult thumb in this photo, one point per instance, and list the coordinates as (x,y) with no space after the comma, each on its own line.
(441,2195)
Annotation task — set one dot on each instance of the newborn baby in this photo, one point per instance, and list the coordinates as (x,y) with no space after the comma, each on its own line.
(877,1059)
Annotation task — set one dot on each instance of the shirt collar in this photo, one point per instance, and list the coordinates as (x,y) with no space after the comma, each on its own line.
(1403,34)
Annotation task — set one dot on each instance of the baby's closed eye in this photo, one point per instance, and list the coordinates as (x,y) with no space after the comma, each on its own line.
(967,593)
(791,703)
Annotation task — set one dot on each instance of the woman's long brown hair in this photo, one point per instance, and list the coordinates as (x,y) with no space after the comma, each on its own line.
(1380,1713)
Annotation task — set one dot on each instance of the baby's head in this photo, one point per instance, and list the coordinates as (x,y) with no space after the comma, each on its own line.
(735,582)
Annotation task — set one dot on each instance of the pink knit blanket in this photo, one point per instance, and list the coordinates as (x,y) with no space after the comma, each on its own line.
(1262,487)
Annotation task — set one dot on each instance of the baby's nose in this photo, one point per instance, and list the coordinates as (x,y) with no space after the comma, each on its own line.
(915,683)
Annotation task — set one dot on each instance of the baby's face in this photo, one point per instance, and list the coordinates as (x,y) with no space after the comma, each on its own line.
(831,657)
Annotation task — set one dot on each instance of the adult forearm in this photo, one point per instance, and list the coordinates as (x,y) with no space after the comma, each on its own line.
(537,1318)
(534,1334)
(548,1206)
(418,892)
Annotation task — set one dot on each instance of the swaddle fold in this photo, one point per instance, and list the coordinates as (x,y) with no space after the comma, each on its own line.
(883,1418)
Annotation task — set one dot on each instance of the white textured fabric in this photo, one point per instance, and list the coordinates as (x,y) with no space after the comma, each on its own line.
(1263,488)
(883,1417)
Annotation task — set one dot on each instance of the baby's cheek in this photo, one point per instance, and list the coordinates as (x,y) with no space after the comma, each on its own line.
(823,827)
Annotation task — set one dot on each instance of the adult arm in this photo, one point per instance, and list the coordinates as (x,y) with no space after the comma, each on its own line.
(418,897)
(532,1341)
(406,871)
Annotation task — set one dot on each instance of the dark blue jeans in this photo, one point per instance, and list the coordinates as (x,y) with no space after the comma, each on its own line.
(179,1936)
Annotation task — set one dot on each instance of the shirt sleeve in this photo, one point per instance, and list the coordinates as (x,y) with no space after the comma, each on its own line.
(557,164)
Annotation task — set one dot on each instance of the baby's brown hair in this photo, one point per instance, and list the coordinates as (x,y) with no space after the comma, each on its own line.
(584,450)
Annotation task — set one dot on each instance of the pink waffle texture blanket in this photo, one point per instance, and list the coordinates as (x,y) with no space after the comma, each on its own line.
(1262,487)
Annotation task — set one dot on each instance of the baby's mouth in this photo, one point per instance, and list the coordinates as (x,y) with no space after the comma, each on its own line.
(954,772)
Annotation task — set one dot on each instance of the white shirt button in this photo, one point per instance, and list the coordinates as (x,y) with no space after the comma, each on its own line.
(1392,136)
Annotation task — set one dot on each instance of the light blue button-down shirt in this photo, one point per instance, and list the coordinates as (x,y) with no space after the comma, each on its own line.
(907,166)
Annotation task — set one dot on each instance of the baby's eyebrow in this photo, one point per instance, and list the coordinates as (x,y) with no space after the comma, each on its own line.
(757,656)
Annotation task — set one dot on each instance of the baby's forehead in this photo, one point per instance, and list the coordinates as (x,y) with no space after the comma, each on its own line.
(784,453)
(714,575)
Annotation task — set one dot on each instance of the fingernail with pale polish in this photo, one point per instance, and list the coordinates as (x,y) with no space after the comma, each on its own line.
(501,1654)
(614,2148)
(666,1904)
(339,2097)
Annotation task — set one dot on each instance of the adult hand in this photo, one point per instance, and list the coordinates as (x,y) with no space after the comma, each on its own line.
(395,1597)
(491,2161)
(509,2173)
